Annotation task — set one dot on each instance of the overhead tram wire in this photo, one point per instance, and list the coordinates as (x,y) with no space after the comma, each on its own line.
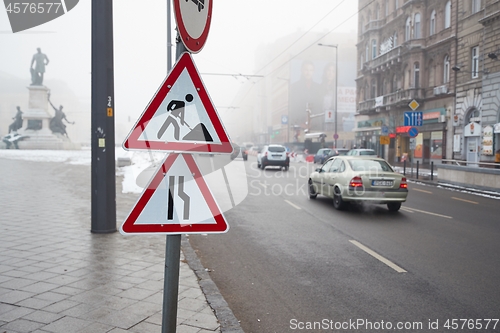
(304,34)
(314,43)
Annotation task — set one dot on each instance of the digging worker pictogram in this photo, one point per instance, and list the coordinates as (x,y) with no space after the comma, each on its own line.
(176,109)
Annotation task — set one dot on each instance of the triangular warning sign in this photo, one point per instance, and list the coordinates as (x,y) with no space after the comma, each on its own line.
(176,201)
(181,116)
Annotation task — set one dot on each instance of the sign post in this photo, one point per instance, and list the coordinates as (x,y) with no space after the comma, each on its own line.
(180,119)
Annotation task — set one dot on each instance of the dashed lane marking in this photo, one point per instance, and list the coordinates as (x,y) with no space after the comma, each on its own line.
(412,210)
(379,257)
(419,190)
(469,201)
(292,204)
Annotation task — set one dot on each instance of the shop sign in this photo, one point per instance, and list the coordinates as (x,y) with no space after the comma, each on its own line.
(487,142)
(496,128)
(431,115)
(472,129)
(403,129)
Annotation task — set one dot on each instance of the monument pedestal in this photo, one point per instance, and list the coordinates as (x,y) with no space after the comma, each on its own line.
(37,119)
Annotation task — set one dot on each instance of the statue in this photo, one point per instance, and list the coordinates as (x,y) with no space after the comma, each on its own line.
(40,60)
(18,121)
(56,124)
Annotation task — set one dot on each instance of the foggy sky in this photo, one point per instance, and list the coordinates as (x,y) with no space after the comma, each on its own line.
(238,28)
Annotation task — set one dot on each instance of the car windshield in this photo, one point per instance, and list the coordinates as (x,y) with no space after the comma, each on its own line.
(366,152)
(276,149)
(369,165)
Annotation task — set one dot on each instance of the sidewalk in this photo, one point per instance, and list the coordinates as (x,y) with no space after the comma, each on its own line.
(56,276)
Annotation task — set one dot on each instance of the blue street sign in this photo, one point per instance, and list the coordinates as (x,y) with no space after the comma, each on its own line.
(385,130)
(413,132)
(284,120)
(414,119)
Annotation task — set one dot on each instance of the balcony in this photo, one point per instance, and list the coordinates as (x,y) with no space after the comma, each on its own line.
(398,98)
(392,55)
(374,25)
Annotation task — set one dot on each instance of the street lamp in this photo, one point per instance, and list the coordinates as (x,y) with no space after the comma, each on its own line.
(335,135)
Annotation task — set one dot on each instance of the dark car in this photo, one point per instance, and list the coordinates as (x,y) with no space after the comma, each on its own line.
(237,150)
(322,155)
(338,152)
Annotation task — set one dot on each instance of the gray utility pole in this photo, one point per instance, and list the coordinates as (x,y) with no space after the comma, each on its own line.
(335,135)
(103,183)
(173,245)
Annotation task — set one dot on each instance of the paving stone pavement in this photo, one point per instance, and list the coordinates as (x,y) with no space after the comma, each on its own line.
(56,276)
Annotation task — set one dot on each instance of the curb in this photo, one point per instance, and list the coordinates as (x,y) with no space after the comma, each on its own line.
(227,320)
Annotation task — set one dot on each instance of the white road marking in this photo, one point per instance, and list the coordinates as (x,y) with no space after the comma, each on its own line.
(379,257)
(292,204)
(425,212)
(407,210)
(419,190)
(469,201)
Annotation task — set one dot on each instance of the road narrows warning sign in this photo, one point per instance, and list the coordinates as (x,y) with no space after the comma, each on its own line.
(180,117)
(176,201)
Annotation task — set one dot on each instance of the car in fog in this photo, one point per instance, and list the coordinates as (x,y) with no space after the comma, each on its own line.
(361,152)
(239,150)
(322,155)
(273,155)
(338,152)
(350,179)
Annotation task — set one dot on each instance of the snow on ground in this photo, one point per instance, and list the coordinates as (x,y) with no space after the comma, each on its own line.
(141,160)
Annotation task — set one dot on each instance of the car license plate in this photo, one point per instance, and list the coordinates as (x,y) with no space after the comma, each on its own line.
(382,182)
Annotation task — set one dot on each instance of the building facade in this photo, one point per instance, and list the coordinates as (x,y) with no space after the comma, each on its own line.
(405,52)
(443,57)
(476,120)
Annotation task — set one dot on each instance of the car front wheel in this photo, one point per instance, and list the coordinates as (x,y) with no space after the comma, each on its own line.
(312,192)
(394,206)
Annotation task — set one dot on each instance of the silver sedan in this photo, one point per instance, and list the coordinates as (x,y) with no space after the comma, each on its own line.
(348,179)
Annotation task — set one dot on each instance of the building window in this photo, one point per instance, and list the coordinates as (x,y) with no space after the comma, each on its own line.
(367,52)
(394,83)
(361,62)
(374,48)
(432,27)
(408,29)
(446,69)
(386,8)
(416,75)
(447,15)
(374,89)
(377,12)
(475,62)
(416,30)
(396,5)
(476,6)
(367,92)
(395,40)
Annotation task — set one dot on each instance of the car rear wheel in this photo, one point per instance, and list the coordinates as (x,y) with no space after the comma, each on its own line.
(394,206)
(312,192)
(338,203)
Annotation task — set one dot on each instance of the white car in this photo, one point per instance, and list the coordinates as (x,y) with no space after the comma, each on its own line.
(348,179)
(273,155)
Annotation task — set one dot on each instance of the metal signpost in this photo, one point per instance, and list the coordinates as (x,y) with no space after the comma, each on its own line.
(177,199)
(414,118)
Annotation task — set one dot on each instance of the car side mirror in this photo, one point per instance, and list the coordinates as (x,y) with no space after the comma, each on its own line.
(319,170)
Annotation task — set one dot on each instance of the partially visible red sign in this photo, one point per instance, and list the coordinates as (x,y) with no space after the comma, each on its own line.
(193,19)
(403,129)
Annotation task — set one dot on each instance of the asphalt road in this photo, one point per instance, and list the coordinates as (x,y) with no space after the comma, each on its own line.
(289,262)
